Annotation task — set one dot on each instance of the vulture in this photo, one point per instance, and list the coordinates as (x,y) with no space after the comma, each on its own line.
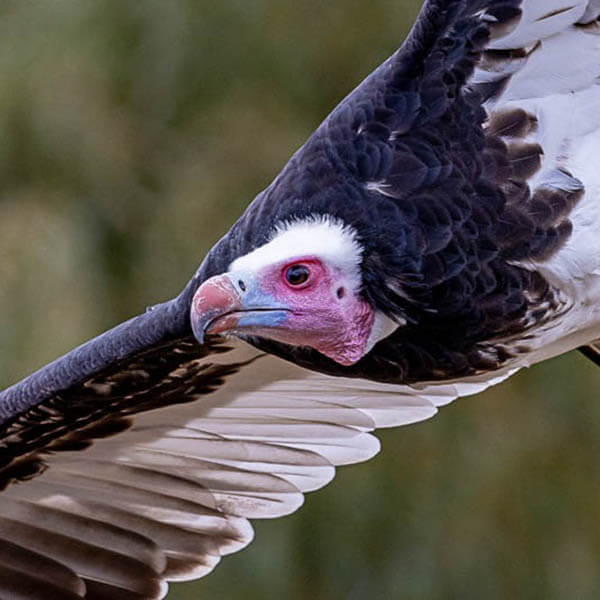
(439,231)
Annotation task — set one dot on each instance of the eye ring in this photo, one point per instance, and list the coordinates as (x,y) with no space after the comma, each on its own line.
(297,275)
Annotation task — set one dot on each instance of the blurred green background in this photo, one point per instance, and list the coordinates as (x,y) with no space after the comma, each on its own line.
(131,135)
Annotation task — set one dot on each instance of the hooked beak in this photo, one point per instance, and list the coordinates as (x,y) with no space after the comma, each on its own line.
(232,303)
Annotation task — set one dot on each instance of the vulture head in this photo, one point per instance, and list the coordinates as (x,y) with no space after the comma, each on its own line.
(303,287)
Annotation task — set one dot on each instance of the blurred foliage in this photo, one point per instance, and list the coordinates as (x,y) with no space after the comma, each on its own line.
(133,133)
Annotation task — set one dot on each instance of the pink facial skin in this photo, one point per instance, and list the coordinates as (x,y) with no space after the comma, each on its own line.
(325,313)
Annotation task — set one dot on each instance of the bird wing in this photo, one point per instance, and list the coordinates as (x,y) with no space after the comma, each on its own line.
(592,351)
(148,470)
(543,103)
(139,457)
(543,82)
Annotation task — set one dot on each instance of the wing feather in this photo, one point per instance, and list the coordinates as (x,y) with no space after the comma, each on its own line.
(549,104)
(121,510)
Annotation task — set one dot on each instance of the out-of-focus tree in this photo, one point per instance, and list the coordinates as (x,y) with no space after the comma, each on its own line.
(132,135)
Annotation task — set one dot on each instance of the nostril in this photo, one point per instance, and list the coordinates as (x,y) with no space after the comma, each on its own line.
(242,285)
(341,292)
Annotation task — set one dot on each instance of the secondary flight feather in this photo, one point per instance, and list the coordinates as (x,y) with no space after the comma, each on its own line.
(438,231)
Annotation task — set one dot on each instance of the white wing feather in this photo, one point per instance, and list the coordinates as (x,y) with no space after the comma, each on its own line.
(557,82)
(170,496)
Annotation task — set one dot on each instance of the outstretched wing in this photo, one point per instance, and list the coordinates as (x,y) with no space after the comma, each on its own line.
(138,458)
(149,470)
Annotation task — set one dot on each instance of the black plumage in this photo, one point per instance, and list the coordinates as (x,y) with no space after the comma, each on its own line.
(405,159)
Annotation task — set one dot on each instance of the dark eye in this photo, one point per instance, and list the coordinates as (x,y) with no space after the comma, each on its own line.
(297,274)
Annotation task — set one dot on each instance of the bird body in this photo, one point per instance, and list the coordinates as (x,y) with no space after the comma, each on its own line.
(438,232)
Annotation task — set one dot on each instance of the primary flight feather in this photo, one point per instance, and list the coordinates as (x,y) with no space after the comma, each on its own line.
(438,231)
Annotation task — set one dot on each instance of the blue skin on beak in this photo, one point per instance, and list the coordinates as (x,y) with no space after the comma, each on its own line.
(234,303)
